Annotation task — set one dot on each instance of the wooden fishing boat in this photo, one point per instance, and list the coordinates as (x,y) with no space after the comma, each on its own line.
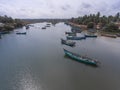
(80,58)
(47,25)
(21,33)
(109,35)
(27,27)
(118,35)
(75,38)
(87,35)
(69,43)
(0,36)
(76,30)
(92,30)
(4,32)
(43,27)
(70,33)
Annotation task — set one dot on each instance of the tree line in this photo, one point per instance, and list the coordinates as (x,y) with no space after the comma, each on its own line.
(10,23)
(95,19)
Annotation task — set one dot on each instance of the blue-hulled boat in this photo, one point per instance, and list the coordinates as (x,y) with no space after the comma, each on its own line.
(75,37)
(21,33)
(43,27)
(87,35)
(118,35)
(27,27)
(4,32)
(80,58)
(71,33)
(48,24)
(0,36)
(76,31)
(69,43)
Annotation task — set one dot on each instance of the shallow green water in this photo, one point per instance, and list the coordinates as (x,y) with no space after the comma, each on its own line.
(36,61)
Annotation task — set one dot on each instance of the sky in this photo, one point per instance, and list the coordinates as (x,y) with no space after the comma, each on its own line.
(57,8)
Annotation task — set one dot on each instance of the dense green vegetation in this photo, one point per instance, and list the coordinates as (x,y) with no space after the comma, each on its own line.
(9,23)
(90,25)
(92,20)
(111,27)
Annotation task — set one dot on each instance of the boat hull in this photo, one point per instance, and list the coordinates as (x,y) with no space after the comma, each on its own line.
(70,33)
(67,43)
(70,55)
(91,36)
(75,38)
(108,35)
(22,33)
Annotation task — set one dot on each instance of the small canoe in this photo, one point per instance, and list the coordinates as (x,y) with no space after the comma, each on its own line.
(43,27)
(75,38)
(80,58)
(70,33)
(21,33)
(27,27)
(69,43)
(118,35)
(0,36)
(92,30)
(90,36)
(4,32)
(76,30)
(109,35)
(47,26)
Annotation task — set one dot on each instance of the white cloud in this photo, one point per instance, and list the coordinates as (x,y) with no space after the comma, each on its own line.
(56,8)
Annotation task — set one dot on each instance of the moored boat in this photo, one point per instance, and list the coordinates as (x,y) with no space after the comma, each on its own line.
(43,27)
(76,30)
(0,36)
(80,58)
(87,35)
(69,43)
(109,35)
(27,27)
(47,25)
(70,33)
(75,37)
(4,32)
(21,33)
(118,35)
(92,30)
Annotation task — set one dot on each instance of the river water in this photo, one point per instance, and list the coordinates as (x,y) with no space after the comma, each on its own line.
(36,61)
